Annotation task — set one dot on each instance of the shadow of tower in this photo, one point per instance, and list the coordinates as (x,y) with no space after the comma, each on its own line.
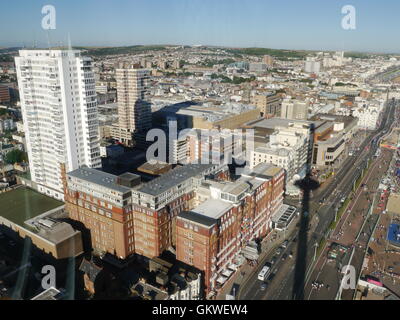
(307,185)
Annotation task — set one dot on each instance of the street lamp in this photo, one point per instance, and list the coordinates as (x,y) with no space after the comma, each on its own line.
(336,211)
(315,251)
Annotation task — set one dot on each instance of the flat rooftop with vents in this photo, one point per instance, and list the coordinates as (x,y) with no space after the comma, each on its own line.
(173,178)
(100,178)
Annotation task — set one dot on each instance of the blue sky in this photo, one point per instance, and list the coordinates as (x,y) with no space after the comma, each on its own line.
(291,24)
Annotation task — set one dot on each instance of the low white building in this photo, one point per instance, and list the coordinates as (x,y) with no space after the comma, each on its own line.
(281,157)
(311,65)
(6,125)
(368,113)
(288,149)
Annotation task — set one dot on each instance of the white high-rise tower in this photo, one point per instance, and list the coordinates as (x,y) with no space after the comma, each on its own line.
(59,109)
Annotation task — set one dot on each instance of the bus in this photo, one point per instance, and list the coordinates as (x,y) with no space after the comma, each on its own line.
(264,273)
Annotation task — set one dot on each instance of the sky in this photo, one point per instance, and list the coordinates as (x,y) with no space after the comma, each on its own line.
(279,24)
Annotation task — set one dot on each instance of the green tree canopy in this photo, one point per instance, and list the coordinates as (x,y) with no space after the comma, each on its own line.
(15,156)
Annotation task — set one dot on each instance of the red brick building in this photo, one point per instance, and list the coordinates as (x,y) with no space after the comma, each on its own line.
(4,94)
(196,209)
(212,235)
(102,202)
(126,217)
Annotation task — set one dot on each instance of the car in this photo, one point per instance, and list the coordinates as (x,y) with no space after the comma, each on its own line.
(273,260)
(284,257)
(271,276)
(11,243)
(291,254)
(263,286)
(285,243)
(278,251)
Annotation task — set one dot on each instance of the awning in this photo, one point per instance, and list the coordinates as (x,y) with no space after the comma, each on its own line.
(227,273)
(233,266)
(222,279)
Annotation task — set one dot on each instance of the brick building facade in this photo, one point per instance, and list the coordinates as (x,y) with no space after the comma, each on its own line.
(211,235)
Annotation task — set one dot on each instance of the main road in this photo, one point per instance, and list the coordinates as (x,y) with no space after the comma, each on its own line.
(280,286)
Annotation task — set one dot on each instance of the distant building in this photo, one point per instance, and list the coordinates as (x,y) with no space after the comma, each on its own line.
(4,94)
(330,136)
(177,64)
(294,109)
(7,125)
(212,235)
(205,146)
(206,116)
(134,112)
(268,103)
(268,60)
(111,151)
(368,115)
(162,64)
(257,67)
(312,65)
(102,87)
(288,148)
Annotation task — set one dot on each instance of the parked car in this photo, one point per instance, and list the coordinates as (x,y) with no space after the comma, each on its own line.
(263,286)
(285,243)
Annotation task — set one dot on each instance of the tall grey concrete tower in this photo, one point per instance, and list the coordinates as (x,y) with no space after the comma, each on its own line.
(134,110)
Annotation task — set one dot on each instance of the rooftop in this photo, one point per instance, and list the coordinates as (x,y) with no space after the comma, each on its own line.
(197,218)
(173,178)
(22,204)
(98,177)
(262,170)
(282,152)
(393,205)
(49,294)
(272,123)
(212,208)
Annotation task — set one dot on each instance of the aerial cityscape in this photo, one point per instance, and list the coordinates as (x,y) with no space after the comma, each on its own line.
(207,156)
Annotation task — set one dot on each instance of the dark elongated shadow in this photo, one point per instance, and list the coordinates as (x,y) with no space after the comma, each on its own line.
(307,185)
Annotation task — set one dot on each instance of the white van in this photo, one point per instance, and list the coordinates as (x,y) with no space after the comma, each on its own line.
(264,273)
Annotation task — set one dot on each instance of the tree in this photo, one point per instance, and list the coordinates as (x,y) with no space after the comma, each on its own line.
(15,156)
